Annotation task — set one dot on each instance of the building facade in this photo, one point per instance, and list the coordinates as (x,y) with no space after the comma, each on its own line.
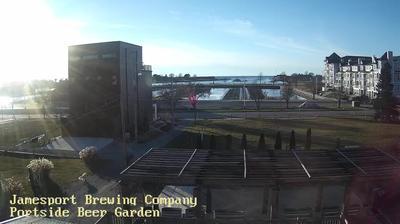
(359,75)
(110,90)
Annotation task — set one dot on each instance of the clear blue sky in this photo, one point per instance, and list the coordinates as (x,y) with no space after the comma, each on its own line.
(225,37)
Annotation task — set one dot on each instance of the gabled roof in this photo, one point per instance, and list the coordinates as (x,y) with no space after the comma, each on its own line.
(333,58)
(348,59)
(384,56)
(354,60)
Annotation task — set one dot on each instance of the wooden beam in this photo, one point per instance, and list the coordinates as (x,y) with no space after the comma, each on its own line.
(351,161)
(388,155)
(191,157)
(148,151)
(301,163)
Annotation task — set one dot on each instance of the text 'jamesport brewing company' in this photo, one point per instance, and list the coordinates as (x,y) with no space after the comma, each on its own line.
(58,206)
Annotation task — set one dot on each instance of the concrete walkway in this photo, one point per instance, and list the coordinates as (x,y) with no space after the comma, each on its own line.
(309,96)
(140,148)
(115,157)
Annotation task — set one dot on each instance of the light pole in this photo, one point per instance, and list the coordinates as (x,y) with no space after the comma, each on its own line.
(244,94)
(340,91)
(244,99)
(172,98)
(315,86)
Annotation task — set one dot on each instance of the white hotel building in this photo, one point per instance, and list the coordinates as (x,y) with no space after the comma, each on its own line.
(359,75)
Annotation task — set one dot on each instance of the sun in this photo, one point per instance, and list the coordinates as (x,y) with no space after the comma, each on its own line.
(34,41)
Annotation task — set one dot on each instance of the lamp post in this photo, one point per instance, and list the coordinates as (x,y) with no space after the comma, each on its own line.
(244,99)
(315,86)
(340,91)
(244,94)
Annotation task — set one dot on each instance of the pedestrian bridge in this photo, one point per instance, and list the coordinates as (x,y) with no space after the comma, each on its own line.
(159,86)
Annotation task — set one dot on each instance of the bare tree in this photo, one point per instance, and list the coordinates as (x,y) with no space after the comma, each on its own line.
(287,93)
(169,95)
(172,95)
(257,95)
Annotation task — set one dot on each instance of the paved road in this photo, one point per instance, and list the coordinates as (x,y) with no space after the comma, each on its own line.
(24,116)
(5,121)
(164,105)
(272,115)
(188,115)
(309,95)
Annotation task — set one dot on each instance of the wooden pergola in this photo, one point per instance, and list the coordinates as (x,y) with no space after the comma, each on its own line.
(271,169)
(191,166)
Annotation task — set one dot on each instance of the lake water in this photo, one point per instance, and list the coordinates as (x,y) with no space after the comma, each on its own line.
(219,93)
(215,94)
(7,102)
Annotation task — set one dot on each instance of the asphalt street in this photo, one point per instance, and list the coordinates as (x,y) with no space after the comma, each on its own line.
(295,114)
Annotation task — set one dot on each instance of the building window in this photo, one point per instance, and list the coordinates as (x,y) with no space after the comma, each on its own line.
(89,57)
(74,58)
(108,55)
(114,80)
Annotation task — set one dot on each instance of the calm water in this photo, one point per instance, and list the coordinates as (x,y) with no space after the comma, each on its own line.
(219,93)
(7,102)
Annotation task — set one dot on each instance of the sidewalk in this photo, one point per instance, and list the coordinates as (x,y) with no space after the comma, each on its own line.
(115,155)
(309,96)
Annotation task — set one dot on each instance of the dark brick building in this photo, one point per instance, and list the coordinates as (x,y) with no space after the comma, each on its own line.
(110,90)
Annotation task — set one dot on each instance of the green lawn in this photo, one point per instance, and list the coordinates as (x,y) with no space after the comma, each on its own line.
(13,132)
(65,170)
(325,131)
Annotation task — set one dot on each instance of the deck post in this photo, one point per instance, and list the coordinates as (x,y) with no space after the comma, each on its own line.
(318,204)
(209,200)
(198,193)
(266,199)
(273,202)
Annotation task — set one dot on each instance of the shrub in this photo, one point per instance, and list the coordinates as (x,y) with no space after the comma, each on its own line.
(278,141)
(213,142)
(39,177)
(91,158)
(292,140)
(199,143)
(308,139)
(88,153)
(38,165)
(228,142)
(261,142)
(4,201)
(13,186)
(338,143)
(243,144)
